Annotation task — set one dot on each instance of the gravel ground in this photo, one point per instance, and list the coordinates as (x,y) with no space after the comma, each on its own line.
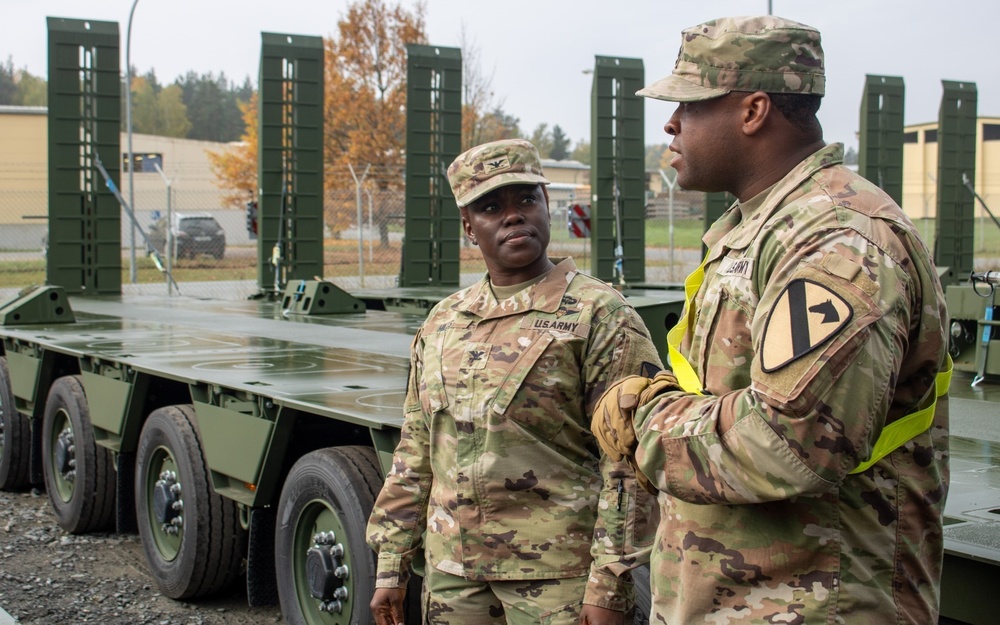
(50,577)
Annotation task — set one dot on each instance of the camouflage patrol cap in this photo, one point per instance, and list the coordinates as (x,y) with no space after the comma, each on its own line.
(490,166)
(762,53)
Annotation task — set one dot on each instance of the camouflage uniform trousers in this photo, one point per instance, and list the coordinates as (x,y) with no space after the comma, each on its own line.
(452,600)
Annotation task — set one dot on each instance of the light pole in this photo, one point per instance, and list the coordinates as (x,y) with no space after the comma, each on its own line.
(128,127)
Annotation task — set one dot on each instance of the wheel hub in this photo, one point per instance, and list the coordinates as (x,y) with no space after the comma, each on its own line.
(167,503)
(326,572)
(65,454)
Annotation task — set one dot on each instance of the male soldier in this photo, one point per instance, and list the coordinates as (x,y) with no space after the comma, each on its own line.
(803,467)
(497,478)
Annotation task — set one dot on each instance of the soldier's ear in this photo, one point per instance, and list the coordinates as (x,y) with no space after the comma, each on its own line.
(466,226)
(754,110)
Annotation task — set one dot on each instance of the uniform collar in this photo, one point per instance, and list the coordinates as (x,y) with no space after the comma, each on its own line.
(544,296)
(741,224)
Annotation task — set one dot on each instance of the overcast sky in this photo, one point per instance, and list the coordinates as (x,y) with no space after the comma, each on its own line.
(536,50)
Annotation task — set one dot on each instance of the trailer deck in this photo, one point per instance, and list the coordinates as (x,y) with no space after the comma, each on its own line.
(352,367)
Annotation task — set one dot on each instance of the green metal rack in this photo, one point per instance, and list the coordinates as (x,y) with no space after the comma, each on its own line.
(881,141)
(617,171)
(432,229)
(290,161)
(84,123)
(956,163)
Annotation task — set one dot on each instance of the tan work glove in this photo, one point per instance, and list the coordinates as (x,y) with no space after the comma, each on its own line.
(612,423)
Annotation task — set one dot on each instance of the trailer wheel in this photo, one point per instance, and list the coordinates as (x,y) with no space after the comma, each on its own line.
(15,437)
(191,535)
(326,571)
(79,475)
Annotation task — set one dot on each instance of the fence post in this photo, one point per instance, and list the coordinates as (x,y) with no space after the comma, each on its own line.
(670,216)
(357,194)
(371,227)
(168,244)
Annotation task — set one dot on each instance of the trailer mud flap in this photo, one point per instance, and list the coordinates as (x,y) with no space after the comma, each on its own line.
(262,582)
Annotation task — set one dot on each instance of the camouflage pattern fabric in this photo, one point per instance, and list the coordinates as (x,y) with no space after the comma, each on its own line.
(758,53)
(496,461)
(821,319)
(451,600)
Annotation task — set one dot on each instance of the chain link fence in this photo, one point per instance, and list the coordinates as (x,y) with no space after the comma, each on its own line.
(363,234)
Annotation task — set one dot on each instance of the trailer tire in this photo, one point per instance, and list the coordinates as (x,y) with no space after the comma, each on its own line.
(191,535)
(328,491)
(15,437)
(79,475)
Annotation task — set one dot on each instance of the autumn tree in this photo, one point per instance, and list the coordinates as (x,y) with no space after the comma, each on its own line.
(364,112)
(581,152)
(366,99)
(235,168)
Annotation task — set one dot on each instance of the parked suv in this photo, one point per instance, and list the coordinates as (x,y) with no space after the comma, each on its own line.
(193,233)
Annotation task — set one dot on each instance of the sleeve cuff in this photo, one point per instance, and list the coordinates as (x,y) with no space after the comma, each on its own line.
(392,572)
(608,591)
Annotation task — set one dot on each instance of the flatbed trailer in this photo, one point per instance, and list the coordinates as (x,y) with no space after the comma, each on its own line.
(219,430)
(222,431)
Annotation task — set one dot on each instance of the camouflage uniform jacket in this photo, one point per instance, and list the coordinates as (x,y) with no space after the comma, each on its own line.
(496,460)
(820,320)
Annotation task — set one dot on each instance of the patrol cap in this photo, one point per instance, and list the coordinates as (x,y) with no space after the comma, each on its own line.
(489,166)
(760,53)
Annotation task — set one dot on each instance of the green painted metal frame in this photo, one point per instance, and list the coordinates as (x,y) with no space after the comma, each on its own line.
(290,160)
(84,252)
(432,229)
(618,171)
(880,157)
(953,245)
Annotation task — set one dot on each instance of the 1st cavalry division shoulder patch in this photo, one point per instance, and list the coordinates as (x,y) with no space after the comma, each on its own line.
(805,316)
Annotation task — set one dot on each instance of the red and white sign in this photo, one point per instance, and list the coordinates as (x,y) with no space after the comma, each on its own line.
(579,221)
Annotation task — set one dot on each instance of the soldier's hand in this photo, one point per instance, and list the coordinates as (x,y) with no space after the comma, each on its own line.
(615,410)
(387,606)
(612,423)
(612,420)
(661,383)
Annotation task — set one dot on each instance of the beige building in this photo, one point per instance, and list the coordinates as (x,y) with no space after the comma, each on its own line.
(24,176)
(570,184)
(920,163)
(23,163)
